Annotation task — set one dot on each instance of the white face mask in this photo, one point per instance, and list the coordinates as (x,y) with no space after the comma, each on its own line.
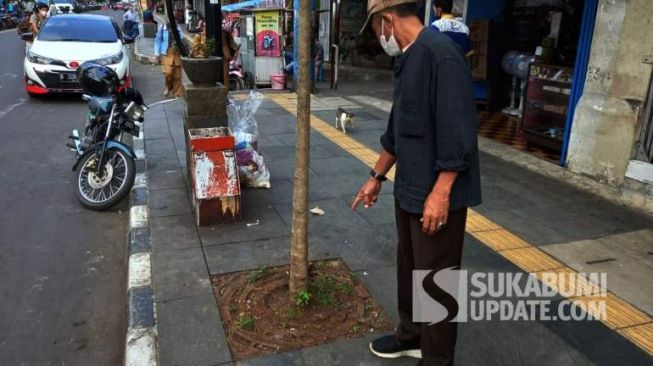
(391,47)
(43,13)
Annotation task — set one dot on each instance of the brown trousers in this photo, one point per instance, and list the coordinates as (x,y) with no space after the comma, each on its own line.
(417,250)
(172,72)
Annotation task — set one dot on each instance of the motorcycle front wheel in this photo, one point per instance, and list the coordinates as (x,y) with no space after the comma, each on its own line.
(100,191)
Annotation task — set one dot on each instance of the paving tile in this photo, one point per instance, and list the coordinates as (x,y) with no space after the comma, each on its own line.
(190,332)
(353,351)
(158,179)
(374,245)
(159,147)
(292,358)
(173,233)
(586,340)
(381,282)
(169,161)
(523,343)
(179,273)
(338,218)
(156,133)
(226,258)
(169,202)
(340,167)
(269,225)
(617,256)
(278,152)
(280,192)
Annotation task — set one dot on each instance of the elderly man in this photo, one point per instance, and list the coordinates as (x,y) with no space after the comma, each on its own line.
(431,137)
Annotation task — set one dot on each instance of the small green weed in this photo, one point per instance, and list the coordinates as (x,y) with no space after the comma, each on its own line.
(303,298)
(246,322)
(257,275)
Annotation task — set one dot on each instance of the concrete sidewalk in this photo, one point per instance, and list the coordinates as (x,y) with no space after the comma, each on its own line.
(549,216)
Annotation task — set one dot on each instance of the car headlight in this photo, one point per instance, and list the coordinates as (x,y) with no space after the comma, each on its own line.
(111,60)
(37,59)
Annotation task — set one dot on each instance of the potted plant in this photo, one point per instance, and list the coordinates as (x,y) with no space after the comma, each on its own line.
(201,67)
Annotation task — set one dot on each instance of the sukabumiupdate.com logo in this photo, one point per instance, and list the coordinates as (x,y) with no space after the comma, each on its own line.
(454,295)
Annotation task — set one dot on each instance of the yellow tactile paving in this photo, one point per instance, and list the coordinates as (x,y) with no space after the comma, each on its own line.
(642,335)
(628,320)
(499,239)
(476,223)
(531,259)
(568,282)
(619,313)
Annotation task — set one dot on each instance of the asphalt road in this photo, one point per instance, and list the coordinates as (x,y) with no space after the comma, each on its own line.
(62,267)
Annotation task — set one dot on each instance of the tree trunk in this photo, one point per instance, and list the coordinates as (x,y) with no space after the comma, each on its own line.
(299,241)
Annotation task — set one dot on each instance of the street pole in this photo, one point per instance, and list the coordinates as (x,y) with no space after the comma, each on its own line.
(298,280)
(213,17)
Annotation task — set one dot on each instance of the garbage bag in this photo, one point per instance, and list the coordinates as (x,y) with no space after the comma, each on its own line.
(251,165)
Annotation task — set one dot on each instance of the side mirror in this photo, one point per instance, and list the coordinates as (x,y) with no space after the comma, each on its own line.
(129,40)
(27,36)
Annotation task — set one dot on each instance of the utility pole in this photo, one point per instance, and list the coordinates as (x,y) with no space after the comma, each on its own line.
(299,243)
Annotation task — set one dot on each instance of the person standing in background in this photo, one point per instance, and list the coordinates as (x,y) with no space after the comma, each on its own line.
(452,27)
(167,54)
(38,17)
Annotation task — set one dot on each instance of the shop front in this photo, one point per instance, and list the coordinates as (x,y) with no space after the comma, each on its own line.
(529,67)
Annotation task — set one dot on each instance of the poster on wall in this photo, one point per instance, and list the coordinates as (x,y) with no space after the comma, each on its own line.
(267,34)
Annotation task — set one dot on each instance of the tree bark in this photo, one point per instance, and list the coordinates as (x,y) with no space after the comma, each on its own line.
(299,242)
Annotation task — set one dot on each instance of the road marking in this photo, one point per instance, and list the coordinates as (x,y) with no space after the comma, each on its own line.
(11,107)
(140,270)
(140,348)
(138,216)
(629,321)
(140,180)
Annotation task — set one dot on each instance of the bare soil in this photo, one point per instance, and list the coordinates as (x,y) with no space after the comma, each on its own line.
(259,318)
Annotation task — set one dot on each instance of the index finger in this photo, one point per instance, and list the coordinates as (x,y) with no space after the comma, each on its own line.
(357,200)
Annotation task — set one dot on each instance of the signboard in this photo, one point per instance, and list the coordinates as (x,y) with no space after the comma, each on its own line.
(267,34)
(249,24)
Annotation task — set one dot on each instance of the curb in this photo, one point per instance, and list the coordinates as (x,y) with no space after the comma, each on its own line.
(141,338)
(141,57)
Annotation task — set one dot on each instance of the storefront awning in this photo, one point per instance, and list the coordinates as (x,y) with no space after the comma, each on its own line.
(241,5)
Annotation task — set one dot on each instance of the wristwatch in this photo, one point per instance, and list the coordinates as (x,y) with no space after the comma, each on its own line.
(379,177)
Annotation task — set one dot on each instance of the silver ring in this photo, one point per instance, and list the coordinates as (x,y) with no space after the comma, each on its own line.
(440,224)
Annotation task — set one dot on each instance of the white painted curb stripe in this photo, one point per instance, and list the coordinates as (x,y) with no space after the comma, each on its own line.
(140,154)
(140,270)
(140,348)
(140,180)
(138,216)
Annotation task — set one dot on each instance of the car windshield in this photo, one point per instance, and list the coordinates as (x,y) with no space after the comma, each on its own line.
(65,29)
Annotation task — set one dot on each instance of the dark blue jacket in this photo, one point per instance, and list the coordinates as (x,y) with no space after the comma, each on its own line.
(432,125)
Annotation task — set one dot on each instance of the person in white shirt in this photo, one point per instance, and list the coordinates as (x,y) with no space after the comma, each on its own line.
(129,16)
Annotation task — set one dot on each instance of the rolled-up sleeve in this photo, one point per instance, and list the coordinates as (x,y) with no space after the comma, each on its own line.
(388,138)
(455,115)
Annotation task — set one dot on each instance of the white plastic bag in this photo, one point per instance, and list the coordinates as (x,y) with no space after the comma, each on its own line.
(242,123)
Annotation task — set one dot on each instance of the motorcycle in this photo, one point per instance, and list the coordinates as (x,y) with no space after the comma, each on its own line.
(105,167)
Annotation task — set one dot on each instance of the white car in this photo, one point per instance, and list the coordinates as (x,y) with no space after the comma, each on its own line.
(66,41)
(61,7)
